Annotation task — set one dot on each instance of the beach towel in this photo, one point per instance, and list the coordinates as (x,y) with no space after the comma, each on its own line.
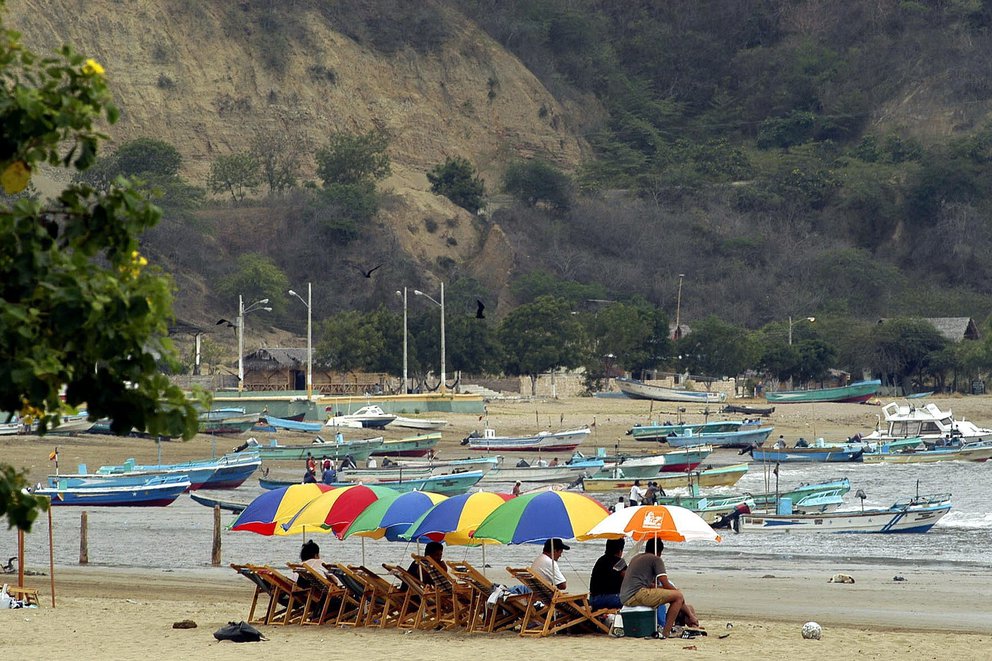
(239,632)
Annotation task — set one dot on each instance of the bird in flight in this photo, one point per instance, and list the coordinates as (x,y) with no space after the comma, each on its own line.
(227,323)
(367,274)
(479,309)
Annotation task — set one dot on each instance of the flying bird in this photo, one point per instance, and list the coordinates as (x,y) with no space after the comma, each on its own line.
(227,323)
(367,274)
(479,309)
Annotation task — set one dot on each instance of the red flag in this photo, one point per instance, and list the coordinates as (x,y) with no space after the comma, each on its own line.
(54,455)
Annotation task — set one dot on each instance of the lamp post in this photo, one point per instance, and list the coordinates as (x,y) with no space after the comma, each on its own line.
(417,292)
(309,337)
(677,333)
(242,311)
(405,382)
(793,323)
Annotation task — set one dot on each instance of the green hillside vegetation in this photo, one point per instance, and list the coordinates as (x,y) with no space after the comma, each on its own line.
(771,151)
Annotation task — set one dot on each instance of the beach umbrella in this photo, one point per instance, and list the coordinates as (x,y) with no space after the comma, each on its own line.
(335,510)
(454,520)
(536,517)
(390,517)
(265,514)
(666,522)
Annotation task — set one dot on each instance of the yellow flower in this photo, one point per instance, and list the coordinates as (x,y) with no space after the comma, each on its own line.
(16,177)
(92,68)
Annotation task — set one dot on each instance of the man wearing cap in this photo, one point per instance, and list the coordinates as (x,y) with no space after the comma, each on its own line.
(646,584)
(546,564)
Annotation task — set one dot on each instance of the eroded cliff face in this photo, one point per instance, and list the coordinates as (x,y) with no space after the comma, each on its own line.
(198,75)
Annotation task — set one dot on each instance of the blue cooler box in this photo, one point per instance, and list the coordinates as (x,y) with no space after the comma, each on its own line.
(639,621)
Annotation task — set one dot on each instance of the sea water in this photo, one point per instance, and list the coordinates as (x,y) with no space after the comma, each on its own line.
(180,535)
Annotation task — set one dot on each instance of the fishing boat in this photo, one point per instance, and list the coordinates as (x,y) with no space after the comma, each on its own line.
(922,453)
(639,390)
(156,491)
(370,417)
(286,424)
(927,422)
(545,441)
(658,432)
(743,438)
(711,507)
(418,423)
(542,472)
(724,476)
(235,506)
(860,391)
(358,449)
(226,421)
(914,516)
(806,497)
(745,409)
(226,472)
(448,485)
(674,461)
(69,423)
(413,446)
(814,453)
(485,464)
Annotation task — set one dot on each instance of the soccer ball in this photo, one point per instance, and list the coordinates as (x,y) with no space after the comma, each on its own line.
(812,631)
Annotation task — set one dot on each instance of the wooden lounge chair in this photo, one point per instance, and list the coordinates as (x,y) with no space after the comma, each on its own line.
(287,603)
(352,611)
(327,594)
(549,610)
(27,595)
(385,598)
(454,596)
(261,588)
(504,614)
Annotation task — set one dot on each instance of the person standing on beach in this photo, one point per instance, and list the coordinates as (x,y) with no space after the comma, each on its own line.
(636,494)
(646,584)
(516,489)
(546,564)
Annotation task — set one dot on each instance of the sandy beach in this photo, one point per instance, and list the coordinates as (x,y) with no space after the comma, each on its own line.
(126,613)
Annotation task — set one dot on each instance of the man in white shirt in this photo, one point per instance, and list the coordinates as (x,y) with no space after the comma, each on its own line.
(636,494)
(546,564)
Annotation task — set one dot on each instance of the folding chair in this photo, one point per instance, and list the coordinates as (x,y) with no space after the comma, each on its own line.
(506,612)
(327,594)
(549,610)
(294,599)
(385,598)
(352,610)
(421,608)
(454,597)
(261,587)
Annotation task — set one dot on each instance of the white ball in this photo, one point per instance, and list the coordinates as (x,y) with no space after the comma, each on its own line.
(812,631)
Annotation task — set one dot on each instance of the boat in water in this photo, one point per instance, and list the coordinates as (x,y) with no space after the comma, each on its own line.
(545,441)
(357,449)
(810,454)
(860,391)
(639,390)
(724,476)
(929,423)
(370,417)
(923,453)
(227,472)
(677,460)
(156,491)
(914,516)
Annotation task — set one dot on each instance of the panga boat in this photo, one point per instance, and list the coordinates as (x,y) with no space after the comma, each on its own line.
(418,423)
(659,432)
(745,437)
(724,476)
(860,391)
(359,449)
(235,506)
(915,516)
(807,497)
(675,461)
(814,454)
(639,390)
(292,425)
(371,417)
(226,472)
(542,472)
(545,441)
(922,453)
(226,421)
(413,446)
(448,485)
(157,491)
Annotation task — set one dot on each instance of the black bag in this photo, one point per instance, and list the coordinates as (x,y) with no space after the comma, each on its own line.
(239,632)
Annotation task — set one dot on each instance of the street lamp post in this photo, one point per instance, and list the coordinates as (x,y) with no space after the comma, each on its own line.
(405,382)
(677,333)
(242,311)
(793,323)
(309,337)
(417,292)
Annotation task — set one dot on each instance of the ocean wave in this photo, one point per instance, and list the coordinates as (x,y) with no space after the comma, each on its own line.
(966,520)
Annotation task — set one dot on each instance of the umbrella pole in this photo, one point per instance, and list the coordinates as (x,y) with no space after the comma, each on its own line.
(51,555)
(483,559)
(20,558)
(363,551)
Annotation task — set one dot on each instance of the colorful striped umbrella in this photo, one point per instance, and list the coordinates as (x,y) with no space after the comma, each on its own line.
(669,523)
(391,517)
(454,520)
(335,510)
(536,517)
(265,514)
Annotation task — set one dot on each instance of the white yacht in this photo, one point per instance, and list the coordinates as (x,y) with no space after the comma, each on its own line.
(928,423)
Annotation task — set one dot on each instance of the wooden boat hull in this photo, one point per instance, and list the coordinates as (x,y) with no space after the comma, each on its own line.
(858,392)
(806,455)
(418,423)
(447,485)
(159,494)
(912,519)
(981,453)
(543,474)
(416,446)
(725,476)
(639,390)
(658,433)
(358,449)
(744,438)
(561,441)
(745,409)
(231,424)
(288,424)
(226,505)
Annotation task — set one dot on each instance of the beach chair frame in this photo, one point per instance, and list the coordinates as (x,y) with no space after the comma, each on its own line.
(352,610)
(261,587)
(297,598)
(325,591)
(385,599)
(549,610)
(454,596)
(504,614)
(421,608)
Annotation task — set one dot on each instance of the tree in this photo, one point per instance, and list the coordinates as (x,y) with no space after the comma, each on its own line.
(236,174)
(256,277)
(350,158)
(635,334)
(84,314)
(538,182)
(280,158)
(147,156)
(903,348)
(457,180)
(541,336)
(351,341)
(716,348)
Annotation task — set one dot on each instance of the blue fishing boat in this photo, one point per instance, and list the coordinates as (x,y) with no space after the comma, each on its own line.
(659,432)
(448,485)
(226,472)
(773,455)
(744,437)
(293,425)
(157,491)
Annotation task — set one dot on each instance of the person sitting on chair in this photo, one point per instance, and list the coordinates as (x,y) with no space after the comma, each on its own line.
(546,564)
(607,577)
(432,550)
(646,584)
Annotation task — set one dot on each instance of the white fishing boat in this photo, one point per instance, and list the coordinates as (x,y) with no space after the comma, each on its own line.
(928,422)
(640,390)
(676,461)
(545,441)
(418,423)
(543,472)
(915,516)
(368,416)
